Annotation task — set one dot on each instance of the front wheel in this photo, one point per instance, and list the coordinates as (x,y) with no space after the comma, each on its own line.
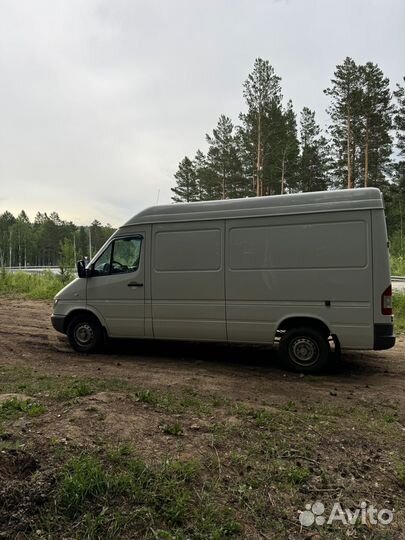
(84,333)
(304,349)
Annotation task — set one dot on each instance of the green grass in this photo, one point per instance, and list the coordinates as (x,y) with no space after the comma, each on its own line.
(103,497)
(398,304)
(249,474)
(14,406)
(42,286)
(68,389)
(397,263)
(64,388)
(172,429)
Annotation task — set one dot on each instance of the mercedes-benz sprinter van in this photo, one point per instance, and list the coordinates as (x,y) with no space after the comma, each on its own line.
(301,269)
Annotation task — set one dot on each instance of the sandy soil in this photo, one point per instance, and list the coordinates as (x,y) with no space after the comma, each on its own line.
(248,374)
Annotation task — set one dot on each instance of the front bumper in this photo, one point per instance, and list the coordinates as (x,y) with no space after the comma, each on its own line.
(384,337)
(58,322)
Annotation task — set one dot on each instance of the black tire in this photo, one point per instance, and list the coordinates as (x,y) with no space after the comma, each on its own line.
(304,349)
(85,333)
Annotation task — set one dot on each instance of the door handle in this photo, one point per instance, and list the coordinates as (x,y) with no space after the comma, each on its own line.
(135,284)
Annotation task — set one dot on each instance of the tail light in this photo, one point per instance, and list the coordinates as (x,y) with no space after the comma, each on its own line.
(386,301)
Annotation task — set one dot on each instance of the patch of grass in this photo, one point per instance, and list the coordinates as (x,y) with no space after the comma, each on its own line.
(66,388)
(262,417)
(118,453)
(168,495)
(78,388)
(62,388)
(399,471)
(172,429)
(398,305)
(150,397)
(397,264)
(14,406)
(295,475)
(42,286)
(10,445)
(83,480)
(254,467)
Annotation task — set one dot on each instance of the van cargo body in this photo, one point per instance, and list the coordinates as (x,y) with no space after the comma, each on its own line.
(301,269)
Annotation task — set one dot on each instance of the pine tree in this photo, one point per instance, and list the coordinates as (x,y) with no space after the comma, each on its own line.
(223,160)
(376,122)
(314,154)
(7,220)
(361,114)
(187,189)
(22,236)
(246,149)
(345,128)
(395,198)
(290,151)
(399,119)
(203,177)
(263,97)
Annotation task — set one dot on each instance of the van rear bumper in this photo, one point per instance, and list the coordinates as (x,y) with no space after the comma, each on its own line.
(383,336)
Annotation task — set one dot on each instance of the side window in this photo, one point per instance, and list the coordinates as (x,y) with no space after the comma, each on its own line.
(120,257)
(102,265)
(126,254)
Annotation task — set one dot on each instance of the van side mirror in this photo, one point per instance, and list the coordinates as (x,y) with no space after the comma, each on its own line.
(81,269)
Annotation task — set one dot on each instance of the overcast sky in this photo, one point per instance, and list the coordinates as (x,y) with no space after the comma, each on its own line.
(100,99)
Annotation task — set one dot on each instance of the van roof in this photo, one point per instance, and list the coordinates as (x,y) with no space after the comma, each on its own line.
(300,203)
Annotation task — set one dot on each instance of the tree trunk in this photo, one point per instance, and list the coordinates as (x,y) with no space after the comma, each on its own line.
(283,171)
(349,165)
(366,156)
(11,250)
(259,183)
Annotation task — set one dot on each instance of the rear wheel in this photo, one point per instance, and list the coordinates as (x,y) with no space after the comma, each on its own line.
(84,333)
(304,349)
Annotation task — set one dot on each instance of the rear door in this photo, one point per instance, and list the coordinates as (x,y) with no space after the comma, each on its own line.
(116,288)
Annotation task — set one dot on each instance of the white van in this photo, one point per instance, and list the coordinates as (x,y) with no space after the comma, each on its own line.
(301,269)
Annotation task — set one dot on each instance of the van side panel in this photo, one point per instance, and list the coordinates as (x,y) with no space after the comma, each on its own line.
(309,266)
(187,276)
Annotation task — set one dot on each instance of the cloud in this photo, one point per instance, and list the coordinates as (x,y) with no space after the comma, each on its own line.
(100,100)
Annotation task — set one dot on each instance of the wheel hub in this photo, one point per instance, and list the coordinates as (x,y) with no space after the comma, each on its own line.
(84,334)
(304,350)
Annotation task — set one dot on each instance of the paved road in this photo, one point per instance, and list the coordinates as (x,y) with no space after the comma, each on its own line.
(398,286)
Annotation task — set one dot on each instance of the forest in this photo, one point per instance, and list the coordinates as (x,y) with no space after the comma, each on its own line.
(272,150)
(48,240)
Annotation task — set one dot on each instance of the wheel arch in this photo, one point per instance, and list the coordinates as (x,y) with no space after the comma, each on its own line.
(295,321)
(82,311)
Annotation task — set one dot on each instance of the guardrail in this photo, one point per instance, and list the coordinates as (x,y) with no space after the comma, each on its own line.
(35,269)
(397,278)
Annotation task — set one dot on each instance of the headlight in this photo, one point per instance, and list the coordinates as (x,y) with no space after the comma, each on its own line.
(55,302)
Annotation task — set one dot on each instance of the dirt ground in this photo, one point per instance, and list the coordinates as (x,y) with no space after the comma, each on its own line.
(248,376)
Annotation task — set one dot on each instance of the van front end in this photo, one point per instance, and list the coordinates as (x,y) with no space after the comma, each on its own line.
(71,298)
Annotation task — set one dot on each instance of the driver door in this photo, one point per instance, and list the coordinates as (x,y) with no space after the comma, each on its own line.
(115,288)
